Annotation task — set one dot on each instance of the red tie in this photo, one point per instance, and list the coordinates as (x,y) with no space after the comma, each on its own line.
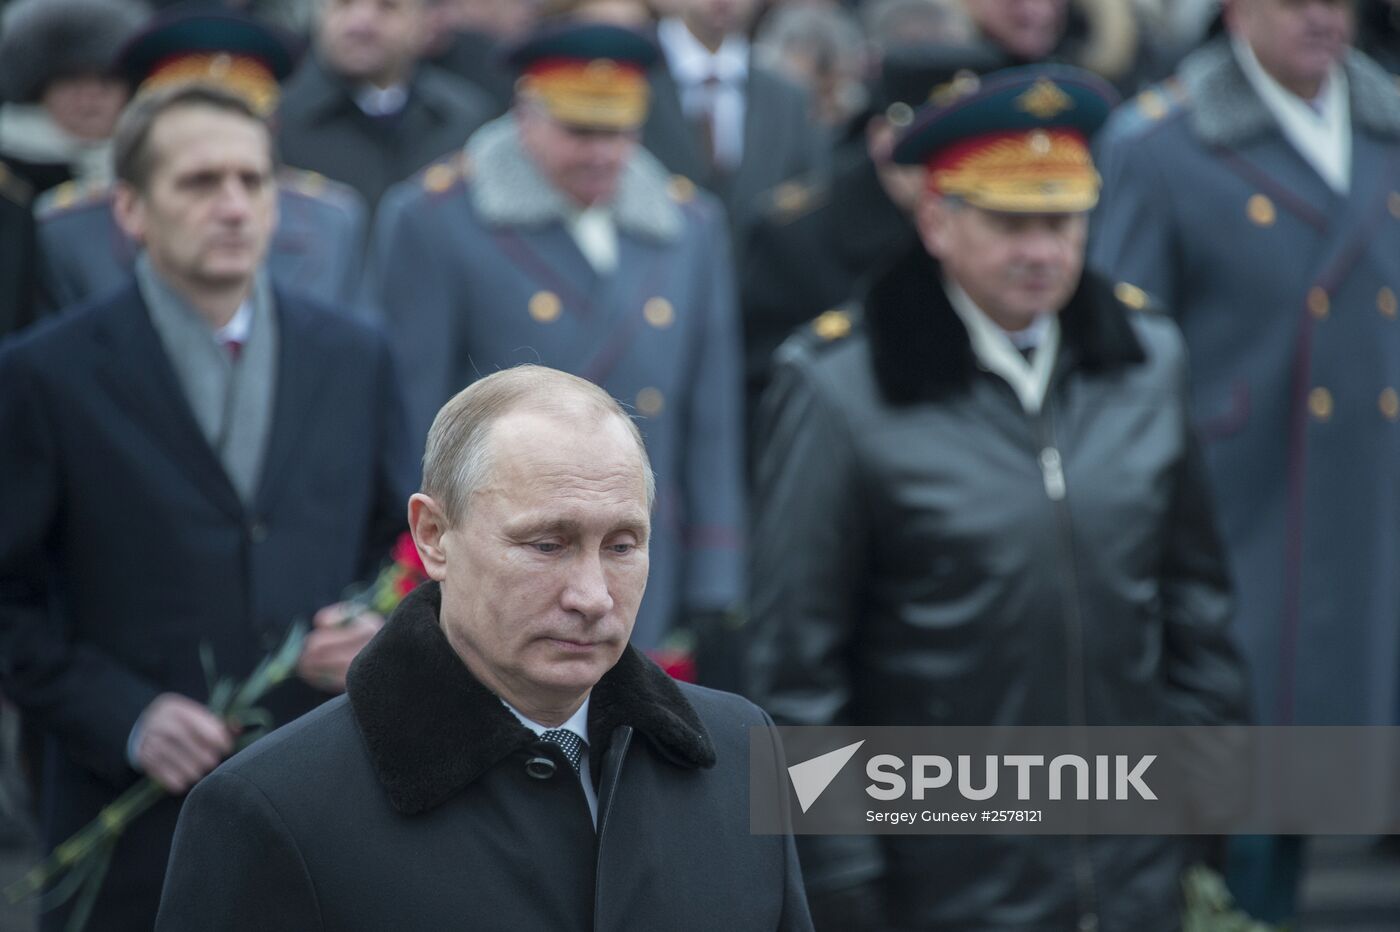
(235,349)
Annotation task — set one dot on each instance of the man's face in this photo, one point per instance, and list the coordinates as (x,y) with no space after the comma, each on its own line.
(372,40)
(1028,29)
(1297,41)
(584,164)
(1013,266)
(544,573)
(86,107)
(719,17)
(210,203)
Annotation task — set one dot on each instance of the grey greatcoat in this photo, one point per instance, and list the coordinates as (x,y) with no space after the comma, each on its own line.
(474,271)
(409,806)
(928,553)
(1286,294)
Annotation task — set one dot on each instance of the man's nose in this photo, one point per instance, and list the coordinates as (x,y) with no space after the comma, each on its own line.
(586,592)
(235,201)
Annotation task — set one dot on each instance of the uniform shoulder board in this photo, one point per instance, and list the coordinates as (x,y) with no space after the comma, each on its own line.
(71,195)
(792,200)
(14,188)
(1134,298)
(823,332)
(1154,104)
(681,189)
(317,187)
(444,174)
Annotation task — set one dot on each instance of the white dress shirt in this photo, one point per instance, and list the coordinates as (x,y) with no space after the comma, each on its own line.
(999,350)
(1319,129)
(595,233)
(578,724)
(692,65)
(381,101)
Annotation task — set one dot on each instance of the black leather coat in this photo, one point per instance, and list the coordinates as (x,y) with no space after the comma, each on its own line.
(926,552)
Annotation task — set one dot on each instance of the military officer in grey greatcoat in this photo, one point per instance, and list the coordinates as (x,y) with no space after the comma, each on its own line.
(1258,194)
(320,233)
(554,238)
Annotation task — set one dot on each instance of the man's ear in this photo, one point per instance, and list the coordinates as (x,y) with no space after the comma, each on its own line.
(428,523)
(130,211)
(931,215)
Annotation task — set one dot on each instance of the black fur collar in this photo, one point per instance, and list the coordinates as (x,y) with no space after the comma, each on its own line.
(921,351)
(432,728)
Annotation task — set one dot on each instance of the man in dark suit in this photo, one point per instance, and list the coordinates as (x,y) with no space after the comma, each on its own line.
(198,459)
(727,123)
(505,758)
(363,110)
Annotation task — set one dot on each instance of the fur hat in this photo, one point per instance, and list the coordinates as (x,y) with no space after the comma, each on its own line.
(42,41)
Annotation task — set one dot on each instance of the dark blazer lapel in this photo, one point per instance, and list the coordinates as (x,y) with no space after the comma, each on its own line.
(302,372)
(667,134)
(135,368)
(759,139)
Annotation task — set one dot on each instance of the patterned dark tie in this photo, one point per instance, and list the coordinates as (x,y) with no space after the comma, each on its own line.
(568,742)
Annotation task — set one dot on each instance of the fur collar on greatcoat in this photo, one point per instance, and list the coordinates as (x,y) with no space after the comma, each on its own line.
(509,190)
(432,728)
(920,349)
(1226,110)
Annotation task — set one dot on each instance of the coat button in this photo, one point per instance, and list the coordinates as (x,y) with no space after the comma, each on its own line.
(257,532)
(1386,303)
(650,401)
(545,307)
(1320,403)
(1318,303)
(1261,211)
(540,768)
(1390,404)
(659,313)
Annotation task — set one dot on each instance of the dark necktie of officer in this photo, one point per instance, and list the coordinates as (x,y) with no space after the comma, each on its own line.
(568,742)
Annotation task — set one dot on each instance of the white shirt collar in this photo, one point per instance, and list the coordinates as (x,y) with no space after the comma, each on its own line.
(381,101)
(1319,129)
(691,63)
(996,349)
(238,328)
(577,723)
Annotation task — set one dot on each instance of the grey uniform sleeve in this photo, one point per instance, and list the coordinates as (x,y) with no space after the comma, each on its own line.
(1133,234)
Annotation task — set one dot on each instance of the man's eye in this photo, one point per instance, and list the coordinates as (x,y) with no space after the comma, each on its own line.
(548,546)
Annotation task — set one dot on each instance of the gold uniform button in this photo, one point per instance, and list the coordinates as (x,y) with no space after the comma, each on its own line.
(1386,303)
(1318,303)
(1393,202)
(545,307)
(650,401)
(439,178)
(682,189)
(832,325)
(1320,403)
(1131,295)
(659,313)
(1390,404)
(1261,211)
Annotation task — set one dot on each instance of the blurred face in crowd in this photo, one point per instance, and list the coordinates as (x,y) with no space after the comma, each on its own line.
(374,41)
(584,164)
(711,20)
(1013,266)
(1028,29)
(1297,41)
(209,205)
(86,107)
(543,574)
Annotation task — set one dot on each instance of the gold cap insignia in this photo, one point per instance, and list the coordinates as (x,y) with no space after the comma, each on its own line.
(1045,100)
